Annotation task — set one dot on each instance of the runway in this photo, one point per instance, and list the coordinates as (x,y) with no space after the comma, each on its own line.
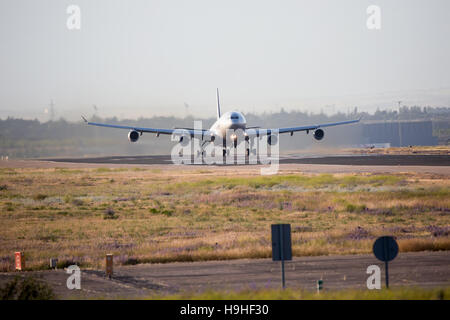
(352,160)
(421,269)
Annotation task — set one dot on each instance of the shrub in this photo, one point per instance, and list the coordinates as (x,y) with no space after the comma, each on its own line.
(437,231)
(27,288)
(77,202)
(65,263)
(68,198)
(109,214)
(356,208)
(358,234)
(167,213)
(39,196)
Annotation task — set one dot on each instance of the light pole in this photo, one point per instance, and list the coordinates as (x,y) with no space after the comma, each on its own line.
(399,126)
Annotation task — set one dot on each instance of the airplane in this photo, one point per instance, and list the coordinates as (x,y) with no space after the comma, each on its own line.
(225,129)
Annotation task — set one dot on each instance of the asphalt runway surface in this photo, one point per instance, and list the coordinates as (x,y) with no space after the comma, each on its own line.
(352,160)
(420,269)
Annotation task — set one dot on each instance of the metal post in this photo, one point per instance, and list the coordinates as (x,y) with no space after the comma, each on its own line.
(399,126)
(319,285)
(386,248)
(109,265)
(282,257)
(387,274)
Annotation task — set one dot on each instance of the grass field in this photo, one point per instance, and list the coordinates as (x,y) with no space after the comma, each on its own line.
(440,149)
(155,215)
(289,294)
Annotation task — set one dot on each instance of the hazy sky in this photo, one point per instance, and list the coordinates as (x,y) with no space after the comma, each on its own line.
(141,57)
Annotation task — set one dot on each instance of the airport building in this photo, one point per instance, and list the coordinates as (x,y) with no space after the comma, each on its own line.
(399,133)
(379,134)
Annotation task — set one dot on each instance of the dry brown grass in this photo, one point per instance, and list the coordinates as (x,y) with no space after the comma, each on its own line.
(441,150)
(194,215)
(399,293)
(411,245)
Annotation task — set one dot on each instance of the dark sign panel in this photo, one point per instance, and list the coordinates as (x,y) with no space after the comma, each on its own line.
(281,242)
(385,249)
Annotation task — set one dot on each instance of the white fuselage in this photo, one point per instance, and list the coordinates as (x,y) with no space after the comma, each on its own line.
(228,121)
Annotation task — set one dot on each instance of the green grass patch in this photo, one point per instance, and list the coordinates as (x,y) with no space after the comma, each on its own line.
(313,182)
(400,293)
(108,170)
(26,288)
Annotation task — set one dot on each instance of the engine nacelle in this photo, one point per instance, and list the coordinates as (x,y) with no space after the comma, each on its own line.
(319,134)
(184,139)
(133,136)
(272,139)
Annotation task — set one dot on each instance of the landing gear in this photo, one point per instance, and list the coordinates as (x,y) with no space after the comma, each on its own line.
(201,153)
(224,150)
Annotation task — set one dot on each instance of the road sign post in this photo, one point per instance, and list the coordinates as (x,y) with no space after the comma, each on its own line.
(319,285)
(109,265)
(281,246)
(53,263)
(385,249)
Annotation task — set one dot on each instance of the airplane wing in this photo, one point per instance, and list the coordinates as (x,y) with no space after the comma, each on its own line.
(303,128)
(151,130)
(182,128)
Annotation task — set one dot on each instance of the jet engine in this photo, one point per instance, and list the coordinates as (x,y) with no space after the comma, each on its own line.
(184,139)
(272,139)
(319,134)
(133,136)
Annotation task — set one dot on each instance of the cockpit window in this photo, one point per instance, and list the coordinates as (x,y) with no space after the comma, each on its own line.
(234,117)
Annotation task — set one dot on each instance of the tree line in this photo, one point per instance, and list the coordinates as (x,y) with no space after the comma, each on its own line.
(21,138)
